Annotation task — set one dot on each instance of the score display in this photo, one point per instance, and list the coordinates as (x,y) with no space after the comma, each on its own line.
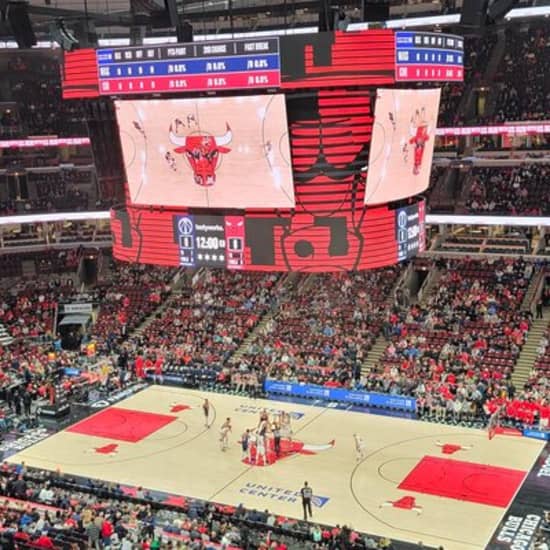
(269,243)
(194,67)
(202,241)
(428,57)
(299,61)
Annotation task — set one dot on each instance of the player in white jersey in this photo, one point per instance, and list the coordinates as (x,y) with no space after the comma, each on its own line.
(252,444)
(286,427)
(224,434)
(260,449)
(360,448)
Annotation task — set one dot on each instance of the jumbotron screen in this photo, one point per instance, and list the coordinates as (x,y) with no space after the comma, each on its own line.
(402,144)
(226,152)
(329,228)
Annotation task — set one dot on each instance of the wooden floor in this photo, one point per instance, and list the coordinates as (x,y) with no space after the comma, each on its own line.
(183,457)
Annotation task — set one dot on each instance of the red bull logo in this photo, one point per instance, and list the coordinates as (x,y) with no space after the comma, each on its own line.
(203,153)
(451,448)
(404,503)
(109,449)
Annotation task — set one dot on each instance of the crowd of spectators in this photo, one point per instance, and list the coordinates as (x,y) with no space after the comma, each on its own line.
(523,90)
(476,55)
(51,510)
(28,309)
(520,190)
(206,326)
(454,353)
(127,298)
(457,352)
(62,190)
(322,331)
(33,83)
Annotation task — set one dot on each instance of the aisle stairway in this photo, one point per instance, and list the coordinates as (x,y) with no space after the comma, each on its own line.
(289,282)
(374,355)
(528,355)
(179,282)
(258,329)
(429,285)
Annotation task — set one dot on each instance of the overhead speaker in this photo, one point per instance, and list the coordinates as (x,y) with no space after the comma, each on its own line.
(17,13)
(474,13)
(85,33)
(63,35)
(184,31)
(499,8)
(326,16)
(172,10)
(375,10)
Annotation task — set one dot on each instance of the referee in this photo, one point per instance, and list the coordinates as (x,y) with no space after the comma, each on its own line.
(307,495)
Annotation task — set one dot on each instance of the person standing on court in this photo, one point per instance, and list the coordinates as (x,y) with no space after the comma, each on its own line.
(307,495)
(276,430)
(224,434)
(244,442)
(206,411)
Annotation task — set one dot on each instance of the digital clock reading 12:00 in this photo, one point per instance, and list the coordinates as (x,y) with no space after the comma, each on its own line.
(209,243)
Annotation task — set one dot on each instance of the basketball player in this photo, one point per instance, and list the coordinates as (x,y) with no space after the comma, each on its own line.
(252,444)
(276,431)
(245,439)
(264,418)
(360,448)
(224,434)
(206,411)
(494,422)
(260,449)
(286,428)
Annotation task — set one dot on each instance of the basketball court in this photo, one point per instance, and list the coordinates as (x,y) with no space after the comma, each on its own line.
(438,484)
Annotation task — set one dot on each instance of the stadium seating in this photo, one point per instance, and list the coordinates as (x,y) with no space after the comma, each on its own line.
(459,348)
(44,510)
(521,79)
(131,294)
(323,330)
(204,327)
(476,56)
(517,191)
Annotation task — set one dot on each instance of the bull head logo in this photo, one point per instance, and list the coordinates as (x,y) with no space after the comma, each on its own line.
(203,153)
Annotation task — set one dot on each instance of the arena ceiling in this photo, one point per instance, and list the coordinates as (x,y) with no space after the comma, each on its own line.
(114,18)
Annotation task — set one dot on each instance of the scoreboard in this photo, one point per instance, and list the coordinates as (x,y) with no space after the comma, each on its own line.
(383,236)
(195,67)
(210,241)
(298,61)
(427,56)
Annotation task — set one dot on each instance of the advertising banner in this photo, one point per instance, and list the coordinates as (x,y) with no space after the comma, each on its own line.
(340,394)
